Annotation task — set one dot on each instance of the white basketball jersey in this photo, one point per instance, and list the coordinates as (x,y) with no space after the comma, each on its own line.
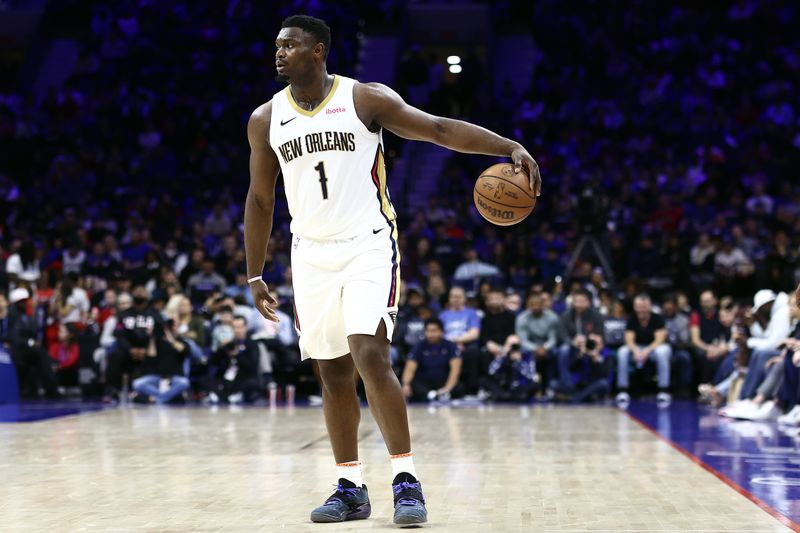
(332,165)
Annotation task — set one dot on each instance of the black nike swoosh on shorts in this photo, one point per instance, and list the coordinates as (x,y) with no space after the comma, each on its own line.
(376,231)
(283,123)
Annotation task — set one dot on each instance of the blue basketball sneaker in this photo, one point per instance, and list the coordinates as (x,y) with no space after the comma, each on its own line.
(347,503)
(409,503)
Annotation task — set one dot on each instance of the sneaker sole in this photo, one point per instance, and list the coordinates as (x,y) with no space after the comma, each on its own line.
(410,520)
(361,513)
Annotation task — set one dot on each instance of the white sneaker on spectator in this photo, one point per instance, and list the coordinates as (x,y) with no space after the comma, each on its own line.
(732,408)
(236,398)
(432,394)
(742,410)
(766,412)
(212,398)
(663,399)
(792,418)
(623,399)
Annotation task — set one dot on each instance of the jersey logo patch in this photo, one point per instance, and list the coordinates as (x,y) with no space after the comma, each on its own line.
(333,110)
(285,122)
(376,231)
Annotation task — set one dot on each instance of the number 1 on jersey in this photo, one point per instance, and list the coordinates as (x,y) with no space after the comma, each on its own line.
(322,179)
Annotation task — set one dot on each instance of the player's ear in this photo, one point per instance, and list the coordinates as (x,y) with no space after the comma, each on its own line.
(319,50)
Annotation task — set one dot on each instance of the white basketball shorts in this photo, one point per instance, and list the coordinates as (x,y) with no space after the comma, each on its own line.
(343,288)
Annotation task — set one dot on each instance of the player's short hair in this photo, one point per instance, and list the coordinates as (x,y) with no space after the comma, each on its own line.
(433,321)
(316,27)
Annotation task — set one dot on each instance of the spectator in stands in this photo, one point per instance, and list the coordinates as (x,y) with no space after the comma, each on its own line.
(279,355)
(789,394)
(433,366)
(709,338)
(462,326)
(234,367)
(582,327)
(135,339)
(34,369)
(770,329)
(410,327)
(163,378)
(65,354)
(240,288)
(497,329)
(645,340)
(70,302)
(472,270)
(614,327)
(205,283)
(677,325)
(22,267)
(538,331)
(189,324)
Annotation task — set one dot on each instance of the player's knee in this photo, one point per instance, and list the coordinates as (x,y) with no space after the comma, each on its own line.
(373,361)
(335,374)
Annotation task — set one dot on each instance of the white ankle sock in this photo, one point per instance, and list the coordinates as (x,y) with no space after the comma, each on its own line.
(351,471)
(403,462)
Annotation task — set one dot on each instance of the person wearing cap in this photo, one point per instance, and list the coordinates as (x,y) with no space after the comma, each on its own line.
(771,326)
(34,369)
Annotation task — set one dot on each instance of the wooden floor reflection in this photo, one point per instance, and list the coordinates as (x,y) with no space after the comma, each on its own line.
(502,469)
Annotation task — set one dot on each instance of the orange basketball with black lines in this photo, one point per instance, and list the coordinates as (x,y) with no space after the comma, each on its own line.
(502,196)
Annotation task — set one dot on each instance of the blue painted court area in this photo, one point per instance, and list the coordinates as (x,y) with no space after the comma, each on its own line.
(33,411)
(759,460)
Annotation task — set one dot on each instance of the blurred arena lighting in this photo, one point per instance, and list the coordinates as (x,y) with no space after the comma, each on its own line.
(453,60)
(455,69)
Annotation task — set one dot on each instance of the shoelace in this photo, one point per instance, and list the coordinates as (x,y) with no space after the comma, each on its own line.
(345,491)
(407,493)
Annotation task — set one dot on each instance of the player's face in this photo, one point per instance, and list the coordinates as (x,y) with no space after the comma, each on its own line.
(294,53)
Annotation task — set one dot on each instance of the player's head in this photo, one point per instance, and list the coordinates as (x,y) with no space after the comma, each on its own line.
(302,47)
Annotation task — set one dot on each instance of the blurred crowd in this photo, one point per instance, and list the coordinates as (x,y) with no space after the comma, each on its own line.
(670,130)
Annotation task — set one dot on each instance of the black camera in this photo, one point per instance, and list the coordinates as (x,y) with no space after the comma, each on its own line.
(591,344)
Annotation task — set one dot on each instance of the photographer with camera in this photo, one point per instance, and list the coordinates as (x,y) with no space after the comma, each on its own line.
(163,378)
(582,354)
(234,366)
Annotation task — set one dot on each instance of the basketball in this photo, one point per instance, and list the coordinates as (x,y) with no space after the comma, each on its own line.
(503,196)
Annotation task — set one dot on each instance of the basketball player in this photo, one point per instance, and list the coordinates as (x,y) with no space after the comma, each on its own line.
(323,132)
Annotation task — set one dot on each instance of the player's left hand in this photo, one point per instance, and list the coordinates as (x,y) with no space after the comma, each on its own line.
(522,158)
(264,301)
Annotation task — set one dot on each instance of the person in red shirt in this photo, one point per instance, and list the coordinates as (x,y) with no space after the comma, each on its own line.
(65,353)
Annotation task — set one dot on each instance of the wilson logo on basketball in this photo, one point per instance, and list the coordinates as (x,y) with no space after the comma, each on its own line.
(333,110)
(504,214)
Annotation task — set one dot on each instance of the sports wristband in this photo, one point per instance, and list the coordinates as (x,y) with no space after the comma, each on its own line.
(251,280)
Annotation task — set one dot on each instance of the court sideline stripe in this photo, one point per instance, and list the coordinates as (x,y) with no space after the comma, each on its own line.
(777,515)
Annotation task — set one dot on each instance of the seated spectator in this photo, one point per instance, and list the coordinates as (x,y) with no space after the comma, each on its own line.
(677,325)
(34,368)
(433,366)
(497,330)
(205,283)
(279,355)
(462,326)
(789,393)
(614,326)
(709,338)
(163,379)
(189,324)
(645,340)
(223,327)
(771,328)
(240,288)
(409,329)
(473,269)
(135,338)
(582,326)
(234,370)
(22,267)
(537,329)
(70,302)
(65,354)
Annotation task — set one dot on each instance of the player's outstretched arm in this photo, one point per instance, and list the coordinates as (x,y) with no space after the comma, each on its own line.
(379,105)
(259,206)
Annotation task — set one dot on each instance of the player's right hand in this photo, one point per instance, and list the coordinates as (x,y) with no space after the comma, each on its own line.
(265,303)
